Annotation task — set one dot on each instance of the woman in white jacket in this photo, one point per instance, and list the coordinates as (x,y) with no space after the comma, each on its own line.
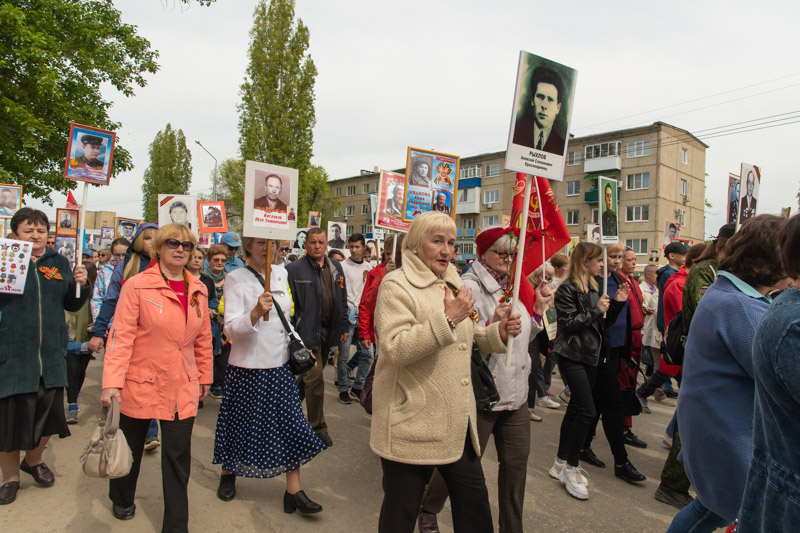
(261,430)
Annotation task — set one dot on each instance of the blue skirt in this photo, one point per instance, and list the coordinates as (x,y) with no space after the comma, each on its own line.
(261,429)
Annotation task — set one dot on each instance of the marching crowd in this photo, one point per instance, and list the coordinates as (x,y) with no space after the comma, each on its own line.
(717,327)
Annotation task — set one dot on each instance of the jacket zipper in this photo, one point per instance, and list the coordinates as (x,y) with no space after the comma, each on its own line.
(39,295)
(593,328)
(160,307)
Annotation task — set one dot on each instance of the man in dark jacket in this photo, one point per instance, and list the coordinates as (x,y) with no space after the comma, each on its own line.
(675,253)
(320,314)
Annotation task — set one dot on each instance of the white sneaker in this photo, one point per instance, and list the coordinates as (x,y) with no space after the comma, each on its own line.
(545,401)
(558,466)
(667,442)
(574,482)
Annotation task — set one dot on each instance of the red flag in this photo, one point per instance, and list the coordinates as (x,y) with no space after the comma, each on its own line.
(71,203)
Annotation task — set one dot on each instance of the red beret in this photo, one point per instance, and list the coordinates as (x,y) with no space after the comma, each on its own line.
(487,238)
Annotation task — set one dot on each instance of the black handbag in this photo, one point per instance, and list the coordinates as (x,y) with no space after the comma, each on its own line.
(301,360)
(486,395)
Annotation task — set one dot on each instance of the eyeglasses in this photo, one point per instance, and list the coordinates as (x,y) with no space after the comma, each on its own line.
(285,249)
(218,260)
(173,244)
(501,255)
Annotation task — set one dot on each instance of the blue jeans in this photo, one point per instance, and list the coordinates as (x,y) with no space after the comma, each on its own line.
(695,518)
(152,431)
(364,357)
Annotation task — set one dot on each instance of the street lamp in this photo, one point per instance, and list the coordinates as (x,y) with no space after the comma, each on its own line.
(215,167)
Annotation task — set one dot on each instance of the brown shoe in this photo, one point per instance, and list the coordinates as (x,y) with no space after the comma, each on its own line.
(427,522)
(8,492)
(43,475)
(533,416)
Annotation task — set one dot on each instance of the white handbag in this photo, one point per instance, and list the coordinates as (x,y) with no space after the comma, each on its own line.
(107,455)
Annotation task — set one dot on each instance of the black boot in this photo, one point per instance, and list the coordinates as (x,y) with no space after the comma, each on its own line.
(299,501)
(628,472)
(227,487)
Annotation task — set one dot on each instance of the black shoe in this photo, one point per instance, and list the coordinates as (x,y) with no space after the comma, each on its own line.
(672,497)
(355,394)
(588,456)
(428,522)
(628,472)
(227,487)
(123,513)
(43,475)
(344,398)
(632,439)
(8,492)
(325,438)
(671,394)
(299,502)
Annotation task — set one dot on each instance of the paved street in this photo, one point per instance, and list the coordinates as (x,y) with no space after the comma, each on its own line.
(345,479)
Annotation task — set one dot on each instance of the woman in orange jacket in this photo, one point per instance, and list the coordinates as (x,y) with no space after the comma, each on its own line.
(158,364)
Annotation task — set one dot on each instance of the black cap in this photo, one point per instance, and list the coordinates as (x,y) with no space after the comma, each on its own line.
(128,223)
(91,139)
(676,247)
(726,231)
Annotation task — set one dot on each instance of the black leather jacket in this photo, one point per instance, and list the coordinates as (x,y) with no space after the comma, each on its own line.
(581,323)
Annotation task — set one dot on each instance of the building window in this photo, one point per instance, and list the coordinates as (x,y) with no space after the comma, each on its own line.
(349,230)
(574,158)
(684,187)
(685,156)
(351,190)
(467,223)
(595,216)
(573,188)
(638,181)
(473,171)
(493,170)
(491,196)
(491,221)
(594,151)
(681,217)
(573,217)
(639,149)
(364,209)
(465,246)
(336,212)
(639,246)
(366,228)
(365,188)
(638,213)
(338,191)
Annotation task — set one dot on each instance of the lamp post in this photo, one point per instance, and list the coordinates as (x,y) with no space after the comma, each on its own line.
(215,167)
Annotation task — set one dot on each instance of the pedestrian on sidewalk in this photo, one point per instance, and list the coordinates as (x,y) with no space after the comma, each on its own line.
(78,354)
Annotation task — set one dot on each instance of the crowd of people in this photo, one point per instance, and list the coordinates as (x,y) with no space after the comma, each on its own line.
(411,338)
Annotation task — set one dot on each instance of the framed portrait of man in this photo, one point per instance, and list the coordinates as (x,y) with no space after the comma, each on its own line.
(314,219)
(427,174)
(127,227)
(270,201)
(67,222)
(542,110)
(389,204)
(299,242)
(654,257)
(672,231)
(90,152)
(748,193)
(336,235)
(10,199)
(593,233)
(178,209)
(733,198)
(212,217)
(67,247)
(609,222)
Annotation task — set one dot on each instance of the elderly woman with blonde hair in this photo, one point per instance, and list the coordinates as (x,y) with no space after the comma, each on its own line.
(424,412)
(158,364)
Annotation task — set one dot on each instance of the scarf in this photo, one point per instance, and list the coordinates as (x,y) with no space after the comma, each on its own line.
(501,279)
(207,271)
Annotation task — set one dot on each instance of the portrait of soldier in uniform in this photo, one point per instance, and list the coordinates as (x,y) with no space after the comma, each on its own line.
(609,216)
(748,204)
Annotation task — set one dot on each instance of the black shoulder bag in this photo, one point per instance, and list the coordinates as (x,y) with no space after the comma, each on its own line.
(300,358)
(483,385)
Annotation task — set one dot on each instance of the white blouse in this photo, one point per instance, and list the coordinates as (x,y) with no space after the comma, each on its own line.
(265,344)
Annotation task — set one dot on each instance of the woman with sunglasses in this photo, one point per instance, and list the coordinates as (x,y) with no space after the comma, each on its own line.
(214,278)
(158,364)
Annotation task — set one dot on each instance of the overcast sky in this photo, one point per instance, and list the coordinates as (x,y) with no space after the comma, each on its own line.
(441,75)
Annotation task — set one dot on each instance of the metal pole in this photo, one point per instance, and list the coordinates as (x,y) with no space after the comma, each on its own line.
(215,166)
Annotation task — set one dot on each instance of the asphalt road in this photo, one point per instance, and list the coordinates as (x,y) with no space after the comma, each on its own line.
(345,479)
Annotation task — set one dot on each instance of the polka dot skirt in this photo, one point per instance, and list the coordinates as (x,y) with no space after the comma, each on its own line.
(261,429)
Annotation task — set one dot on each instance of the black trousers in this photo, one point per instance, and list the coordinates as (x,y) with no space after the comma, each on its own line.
(581,411)
(608,403)
(176,460)
(76,374)
(653,382)
(221,366)
(404,485)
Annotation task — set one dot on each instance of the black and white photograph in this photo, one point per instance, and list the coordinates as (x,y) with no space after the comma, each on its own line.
(66,246)
(10,199)
(748,192)
(67,222)
(672,231)
(212,217)
(300,239)
(421,170)
(270,201)
(178,209)
(126,228)
(336,235)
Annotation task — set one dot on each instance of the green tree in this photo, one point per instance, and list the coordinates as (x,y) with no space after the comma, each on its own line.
(277,108)
(317,193)
(54,54)
(170,170)
(230,189)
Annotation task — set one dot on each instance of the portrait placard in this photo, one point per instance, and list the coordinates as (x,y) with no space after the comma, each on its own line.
(733,198)
(67,247)
(314,219)
(67,222)
(211,217)
(391,195)
(541,115)
(672,231)
(430,183)
(15,257)
(337,232)
(204,240)
(748,193)
(593,233)
(299,242)
(270,201)
(127,227)
(106,237)
(654,257)
(550,320)
(573,242)
(89,154)
(178,209)
(609,226)
(10,199)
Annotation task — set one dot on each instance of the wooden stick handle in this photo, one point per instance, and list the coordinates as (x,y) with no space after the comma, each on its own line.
(268,272)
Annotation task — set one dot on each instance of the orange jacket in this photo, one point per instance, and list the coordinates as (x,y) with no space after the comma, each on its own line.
(157,355)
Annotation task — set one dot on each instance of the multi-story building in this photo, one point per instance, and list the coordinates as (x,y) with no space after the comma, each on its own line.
(661,173)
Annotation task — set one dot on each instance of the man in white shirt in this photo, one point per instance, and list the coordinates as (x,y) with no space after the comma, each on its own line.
(355,274)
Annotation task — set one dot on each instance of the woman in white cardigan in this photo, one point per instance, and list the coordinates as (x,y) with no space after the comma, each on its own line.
(424,413)
(261,430)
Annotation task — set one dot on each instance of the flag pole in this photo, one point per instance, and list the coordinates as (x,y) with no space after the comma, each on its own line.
(523,233)
(541,225)
(81,236)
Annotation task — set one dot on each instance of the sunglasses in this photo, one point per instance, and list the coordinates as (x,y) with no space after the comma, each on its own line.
(285,249)
(173,244)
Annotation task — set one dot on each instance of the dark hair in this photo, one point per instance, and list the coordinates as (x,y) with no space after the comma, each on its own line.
(30,215)
(713,249)
(178,204)
(336,252)
(91,272)
(789,241)
(274,176)
(546,75)
(314,231)
(119,240)
(753,253)
(357,237)
(694,254)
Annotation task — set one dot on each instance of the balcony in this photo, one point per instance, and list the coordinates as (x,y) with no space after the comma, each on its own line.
(471,206)
(463,233)
(600,164)
(590,196)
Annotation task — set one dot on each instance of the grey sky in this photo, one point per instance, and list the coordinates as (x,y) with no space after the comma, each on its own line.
(441,75)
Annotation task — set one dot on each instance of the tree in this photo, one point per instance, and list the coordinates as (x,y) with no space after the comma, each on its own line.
(317,193)
(170,170)
(277,108)
(230,189)
(54,54)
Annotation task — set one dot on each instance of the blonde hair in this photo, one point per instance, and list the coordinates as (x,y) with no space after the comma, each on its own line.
(535,277)
(616,248)
(171,231)
(577,265)
(424,224)
(134,263)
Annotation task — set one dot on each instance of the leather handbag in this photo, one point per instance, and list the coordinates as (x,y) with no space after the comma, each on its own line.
(483,385)
(107,455)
